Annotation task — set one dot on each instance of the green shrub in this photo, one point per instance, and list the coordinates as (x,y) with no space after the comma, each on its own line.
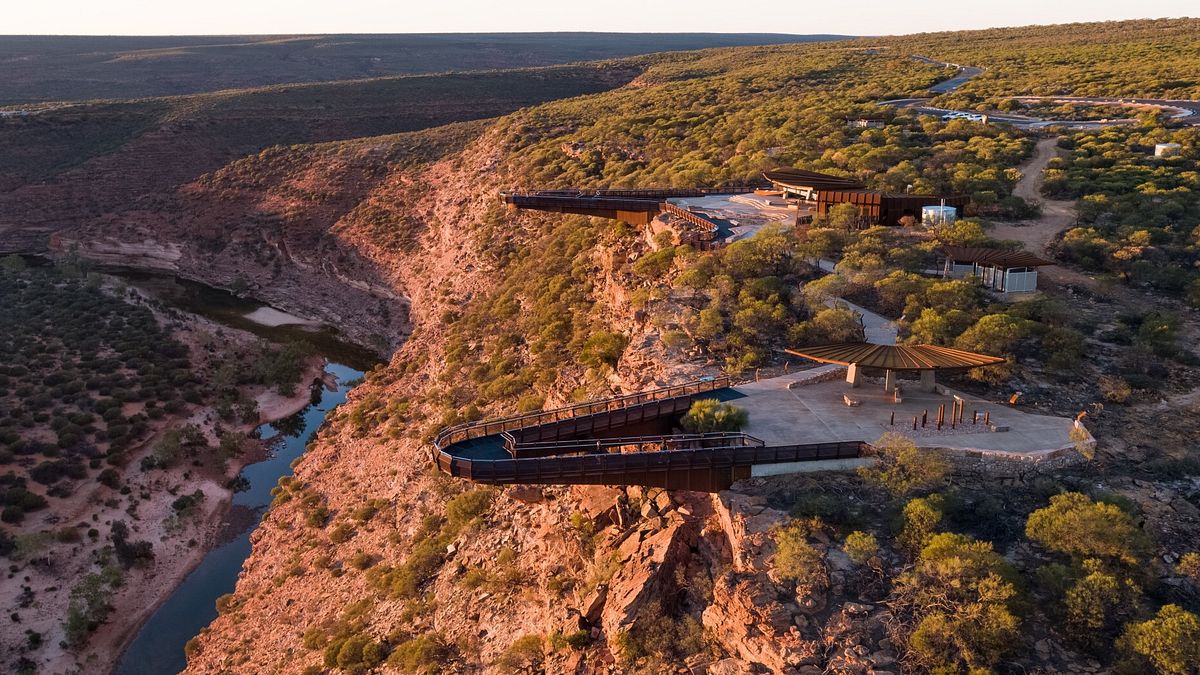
(423,653)
(1170,642)
(902,467)
(861,547)
(523,654)
(796,559)
(710,415)
(465,507)
(958,596)
(1076,525)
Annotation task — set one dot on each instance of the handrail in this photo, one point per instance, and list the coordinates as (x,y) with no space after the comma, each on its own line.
(469,430)
(644,193)
(665,442)
(698,219)
(602,467)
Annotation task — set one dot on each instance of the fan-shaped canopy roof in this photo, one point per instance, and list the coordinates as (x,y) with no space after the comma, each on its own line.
(801,179)
(896,357)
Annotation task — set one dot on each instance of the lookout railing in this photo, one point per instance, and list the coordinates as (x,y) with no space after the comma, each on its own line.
(470,430)
(706,224)
(661,443)
(634,468)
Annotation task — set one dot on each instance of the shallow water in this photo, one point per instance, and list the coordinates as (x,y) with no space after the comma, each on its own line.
(158,647)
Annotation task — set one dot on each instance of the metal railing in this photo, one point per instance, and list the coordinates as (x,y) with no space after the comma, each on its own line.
(470,430)
(641,468)
(637,193)
(700,220)
(552,201)
(662,443)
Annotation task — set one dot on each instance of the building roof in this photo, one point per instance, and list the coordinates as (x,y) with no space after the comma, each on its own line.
(896,357)
(995,257)
(801,179)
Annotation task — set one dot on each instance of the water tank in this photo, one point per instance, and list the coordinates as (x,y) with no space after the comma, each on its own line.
(1167,150)
(938,215)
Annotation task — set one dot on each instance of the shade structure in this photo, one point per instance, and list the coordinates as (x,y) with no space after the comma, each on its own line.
(799,179)
(994,257)
(896,357)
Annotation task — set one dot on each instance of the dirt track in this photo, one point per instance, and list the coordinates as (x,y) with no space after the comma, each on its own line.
(1057,215)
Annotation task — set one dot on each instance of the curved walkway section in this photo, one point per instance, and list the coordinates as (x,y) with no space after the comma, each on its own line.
(476,451)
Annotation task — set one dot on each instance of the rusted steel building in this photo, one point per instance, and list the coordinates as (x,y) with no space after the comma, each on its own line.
(874,206)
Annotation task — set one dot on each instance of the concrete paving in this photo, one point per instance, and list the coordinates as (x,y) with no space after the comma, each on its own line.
(816,413)
(744,214)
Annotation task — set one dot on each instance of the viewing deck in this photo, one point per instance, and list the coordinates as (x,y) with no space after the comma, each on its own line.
(796,421)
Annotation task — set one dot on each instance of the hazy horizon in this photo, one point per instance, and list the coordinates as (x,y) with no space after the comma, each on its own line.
(131,18)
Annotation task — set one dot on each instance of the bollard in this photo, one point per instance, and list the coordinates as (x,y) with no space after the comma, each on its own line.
(924,418)
(756,374)
(914,422)
(987,417)
(892,421)
(974,417)
(786,364)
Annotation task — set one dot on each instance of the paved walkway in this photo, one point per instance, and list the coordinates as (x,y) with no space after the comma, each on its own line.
(879,329)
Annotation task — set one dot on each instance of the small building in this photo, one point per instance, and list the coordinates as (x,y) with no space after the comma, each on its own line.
(926,360)
(998,270)
(1167,150)
(938,215)
(866,123)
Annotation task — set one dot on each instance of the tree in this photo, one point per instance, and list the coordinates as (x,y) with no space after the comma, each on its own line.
(1099,603)
(921,517)
(709,415)
(1076,525)
(1170,642)
(997,335)
(895,289)
(845,217)
(957,596)
(902,467)
(796,559)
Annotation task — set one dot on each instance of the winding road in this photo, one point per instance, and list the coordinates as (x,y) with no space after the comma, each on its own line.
(1187,112)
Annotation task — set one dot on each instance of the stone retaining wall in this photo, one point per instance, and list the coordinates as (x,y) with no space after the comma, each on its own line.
(827,373)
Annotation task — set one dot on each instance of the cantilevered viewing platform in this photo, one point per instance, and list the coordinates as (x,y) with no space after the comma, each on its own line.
(803,421)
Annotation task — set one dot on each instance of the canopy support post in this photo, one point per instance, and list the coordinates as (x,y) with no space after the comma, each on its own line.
(928,381)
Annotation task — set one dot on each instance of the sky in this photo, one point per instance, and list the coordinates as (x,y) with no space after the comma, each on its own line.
(852,17)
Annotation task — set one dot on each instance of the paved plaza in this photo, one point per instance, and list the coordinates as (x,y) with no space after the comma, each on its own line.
(817,413)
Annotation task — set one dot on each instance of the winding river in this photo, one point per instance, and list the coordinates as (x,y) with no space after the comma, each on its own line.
(158,647)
